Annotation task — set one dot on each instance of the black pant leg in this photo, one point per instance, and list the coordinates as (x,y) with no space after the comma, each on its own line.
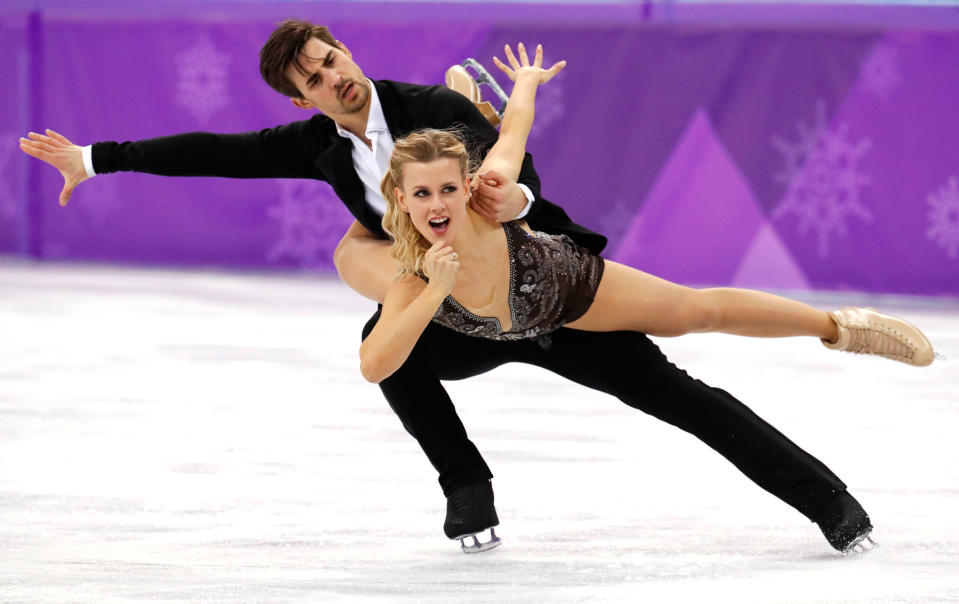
(415,394)
(630,367)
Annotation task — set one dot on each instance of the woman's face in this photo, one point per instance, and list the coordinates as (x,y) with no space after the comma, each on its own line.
(435,195)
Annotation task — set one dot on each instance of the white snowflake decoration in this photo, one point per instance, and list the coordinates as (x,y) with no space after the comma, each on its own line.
(822,179)
(944,217)
(881,73)
(202,75)
(312,220)
(8,201)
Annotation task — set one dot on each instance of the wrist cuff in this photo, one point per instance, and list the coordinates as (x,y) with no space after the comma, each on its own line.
(88,161)
(529,201)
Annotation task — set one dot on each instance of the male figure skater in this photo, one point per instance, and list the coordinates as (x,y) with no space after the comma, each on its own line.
(347,145)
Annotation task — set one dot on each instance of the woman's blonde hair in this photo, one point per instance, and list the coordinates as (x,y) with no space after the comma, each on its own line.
(423,146)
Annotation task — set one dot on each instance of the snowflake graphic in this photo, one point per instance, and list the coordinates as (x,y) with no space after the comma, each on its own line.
(944,217)
(100,199)
(201,85)
(8,201)
(822,178)
(311,220)
(880,72)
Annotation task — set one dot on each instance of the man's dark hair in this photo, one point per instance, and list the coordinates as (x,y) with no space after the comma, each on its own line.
(283,49)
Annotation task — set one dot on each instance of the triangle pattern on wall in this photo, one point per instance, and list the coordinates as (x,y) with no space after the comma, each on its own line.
(700,192)
(768,264)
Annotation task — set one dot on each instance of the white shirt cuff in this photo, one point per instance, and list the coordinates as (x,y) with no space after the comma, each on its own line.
(88,161)
(529,202)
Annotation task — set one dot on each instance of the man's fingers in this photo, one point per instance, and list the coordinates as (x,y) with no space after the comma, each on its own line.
(36,136)
(32,150)
(66,193)
(59,137)
(37,145)
(491,176)
(481,206)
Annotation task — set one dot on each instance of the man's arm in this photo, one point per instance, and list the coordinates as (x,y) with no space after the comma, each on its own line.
(282,152)
(363,262)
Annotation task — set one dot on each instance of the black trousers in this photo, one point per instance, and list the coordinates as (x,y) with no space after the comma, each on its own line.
(624,364)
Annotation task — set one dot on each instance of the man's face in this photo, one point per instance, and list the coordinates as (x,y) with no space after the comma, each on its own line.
(331,82)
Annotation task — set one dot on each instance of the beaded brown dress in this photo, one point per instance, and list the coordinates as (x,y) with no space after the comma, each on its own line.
(552,281)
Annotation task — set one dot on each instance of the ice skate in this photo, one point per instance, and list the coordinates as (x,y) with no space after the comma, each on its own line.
(470,512)
(478,546)
(861,545)
(846,525)
(865,331)
(460,80)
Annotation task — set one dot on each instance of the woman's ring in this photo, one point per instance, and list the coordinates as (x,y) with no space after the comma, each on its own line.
(453,256)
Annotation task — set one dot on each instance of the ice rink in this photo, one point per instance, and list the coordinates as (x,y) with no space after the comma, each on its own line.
(207,437)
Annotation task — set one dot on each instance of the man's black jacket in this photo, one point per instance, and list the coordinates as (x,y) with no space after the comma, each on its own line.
(313,149)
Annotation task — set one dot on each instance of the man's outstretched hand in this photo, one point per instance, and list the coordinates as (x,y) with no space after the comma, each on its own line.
(496,197)
(56,150)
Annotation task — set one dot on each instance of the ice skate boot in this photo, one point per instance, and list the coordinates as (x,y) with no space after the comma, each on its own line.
(865,331)
(846,525)
(460,80)
(469,512)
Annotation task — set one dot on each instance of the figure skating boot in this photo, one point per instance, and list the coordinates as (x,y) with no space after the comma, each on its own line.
(846,525)
(470,511)
(460,80)
(865,331)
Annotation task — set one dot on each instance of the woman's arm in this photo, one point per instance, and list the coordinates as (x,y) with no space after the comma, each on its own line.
(408,308)
(506,156)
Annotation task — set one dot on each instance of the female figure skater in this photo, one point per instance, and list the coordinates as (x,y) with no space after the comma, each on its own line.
(505,282)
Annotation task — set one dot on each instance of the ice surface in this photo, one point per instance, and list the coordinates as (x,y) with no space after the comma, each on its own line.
(186,436)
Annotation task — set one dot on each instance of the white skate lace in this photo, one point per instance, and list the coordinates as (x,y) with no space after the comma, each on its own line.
(879,340)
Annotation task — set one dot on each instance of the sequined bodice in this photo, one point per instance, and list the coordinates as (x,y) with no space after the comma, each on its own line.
(550,280)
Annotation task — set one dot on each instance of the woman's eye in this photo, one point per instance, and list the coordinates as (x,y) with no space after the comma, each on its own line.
(420,193)
(449,189)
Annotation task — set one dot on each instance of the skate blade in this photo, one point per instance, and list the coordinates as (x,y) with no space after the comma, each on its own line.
(477,546)
(860,546)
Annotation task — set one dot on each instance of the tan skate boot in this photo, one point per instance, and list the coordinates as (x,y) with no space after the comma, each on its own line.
(865,331)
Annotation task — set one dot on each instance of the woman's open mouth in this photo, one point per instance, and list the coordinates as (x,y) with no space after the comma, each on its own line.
(439,225)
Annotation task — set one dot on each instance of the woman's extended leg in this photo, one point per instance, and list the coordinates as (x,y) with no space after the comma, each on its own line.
(637,301)
(628,299)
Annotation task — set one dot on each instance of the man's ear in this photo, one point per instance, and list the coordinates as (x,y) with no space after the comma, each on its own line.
(345,50)
(302,103)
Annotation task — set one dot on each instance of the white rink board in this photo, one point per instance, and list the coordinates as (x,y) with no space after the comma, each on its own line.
(186,436)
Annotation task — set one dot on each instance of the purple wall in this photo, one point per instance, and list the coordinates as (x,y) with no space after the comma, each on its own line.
(751,153)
